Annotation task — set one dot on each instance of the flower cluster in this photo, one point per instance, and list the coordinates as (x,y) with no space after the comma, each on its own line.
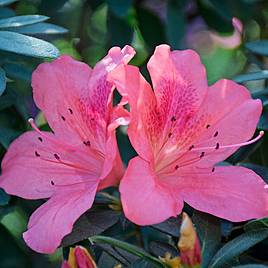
(181,129)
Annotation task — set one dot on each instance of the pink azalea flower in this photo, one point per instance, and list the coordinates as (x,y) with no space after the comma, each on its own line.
(78,158)
(180,131)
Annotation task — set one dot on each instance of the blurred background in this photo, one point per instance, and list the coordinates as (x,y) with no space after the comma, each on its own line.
(86,30)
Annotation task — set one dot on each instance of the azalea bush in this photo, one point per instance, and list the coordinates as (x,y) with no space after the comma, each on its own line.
(133,133)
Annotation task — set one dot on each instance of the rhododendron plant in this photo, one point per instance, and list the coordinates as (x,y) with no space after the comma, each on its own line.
(78,158)
(181,131)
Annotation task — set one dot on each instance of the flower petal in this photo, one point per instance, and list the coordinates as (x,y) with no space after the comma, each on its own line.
(144,200)
(55,219)
(34,166)
(233,193)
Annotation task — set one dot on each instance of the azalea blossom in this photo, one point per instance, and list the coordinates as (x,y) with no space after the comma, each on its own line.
(78,158)
(181,131)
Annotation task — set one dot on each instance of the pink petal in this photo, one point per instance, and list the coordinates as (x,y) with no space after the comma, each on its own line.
(233,193)
(30,169)
(65,265)
(135,90)
(144,200)
(55,219)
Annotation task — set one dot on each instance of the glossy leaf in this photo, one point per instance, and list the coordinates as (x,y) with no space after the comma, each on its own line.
(171,226)
(25,45)
(258,47)
(119,7)
(4,198)
(19,21)
(257,224)
(6,2)
(251,76)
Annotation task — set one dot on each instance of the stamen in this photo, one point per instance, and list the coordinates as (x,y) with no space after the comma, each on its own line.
(261,133)
(37,154)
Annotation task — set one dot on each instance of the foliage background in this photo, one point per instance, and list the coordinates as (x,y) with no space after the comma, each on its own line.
(86,30)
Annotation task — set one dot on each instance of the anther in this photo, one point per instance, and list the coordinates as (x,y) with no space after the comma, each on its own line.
(173,119)
(52,182)
(57,156)
(40,139)
(202,154)
(207,126)
(191,147)
(87,143)
(63,118)
(217,146)
(216,134)
(70,110)
(37,154)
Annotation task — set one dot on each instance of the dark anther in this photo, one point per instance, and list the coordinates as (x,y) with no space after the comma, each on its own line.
(37,154)
(216,134)
(202,154)
(217,146)
(176,167)
(87,143)
(52,182)
(63,118)
(207,126)
(191,147)
(70,110)
(39,138)
(169,135)
(57,156)
(213,169)
(173,119)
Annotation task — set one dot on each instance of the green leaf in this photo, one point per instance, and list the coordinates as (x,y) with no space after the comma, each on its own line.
(7,135)
(250,266)
(91,223)
(257,224)
(170,226)
(209,232)
(6,2)
(237,246)
(175,25)
(41,28)
(258,47)
(19,21)
(260,170)
(119,7)
(251,76)
(4,198)
(160,249)
(6,12)
(25,45)
(3,81)
(127,247)
(18,71)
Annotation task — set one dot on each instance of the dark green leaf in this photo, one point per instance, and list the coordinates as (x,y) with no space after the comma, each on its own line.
(257,224)
(17,71)
(171,226)
(151,27)
(209,232)
(7,135)
(41,28)
(25,45)
(250,266)
(258,47)
(91,223)
(4,198)
(127,247)
(237,246)
(19,21)
(175,23)
(6,2)
(161,248)
(260,170)
(251,76)
(119,7)
(140,263)
(6,12)
(3,81)
(263,123)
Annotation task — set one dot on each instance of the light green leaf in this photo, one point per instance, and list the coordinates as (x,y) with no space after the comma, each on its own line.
(25,45)
(258,47)
(3,81)
(237,246)
(41,28)
(251,76)
(19,21)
